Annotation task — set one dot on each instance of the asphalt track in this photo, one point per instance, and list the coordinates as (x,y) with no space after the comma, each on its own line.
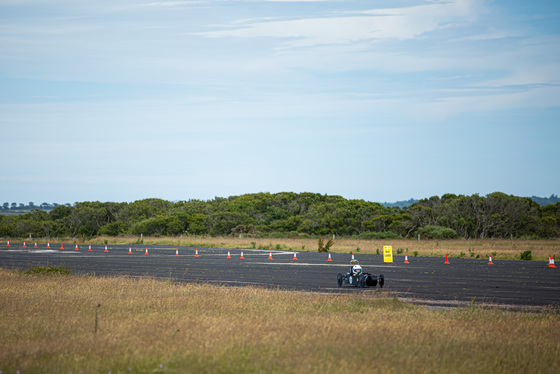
(426,280)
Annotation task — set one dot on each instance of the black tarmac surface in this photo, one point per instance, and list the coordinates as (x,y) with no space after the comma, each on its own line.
(426,280)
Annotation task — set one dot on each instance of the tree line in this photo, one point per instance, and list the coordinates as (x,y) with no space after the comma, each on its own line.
(288,214)
(30,206)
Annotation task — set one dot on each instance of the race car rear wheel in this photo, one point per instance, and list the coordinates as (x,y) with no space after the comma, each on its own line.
(371,280)
(381,280)
(339,279)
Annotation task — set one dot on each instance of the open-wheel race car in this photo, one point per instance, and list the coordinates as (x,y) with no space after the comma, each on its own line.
(356,277)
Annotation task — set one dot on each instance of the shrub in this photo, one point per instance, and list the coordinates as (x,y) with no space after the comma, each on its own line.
(113,229)
(415,253)
(48,270)
(526,256)
(437,232)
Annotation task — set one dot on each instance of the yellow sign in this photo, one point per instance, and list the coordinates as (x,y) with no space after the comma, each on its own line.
(387,253)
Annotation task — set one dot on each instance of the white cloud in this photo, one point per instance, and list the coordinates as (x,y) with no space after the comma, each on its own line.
(370,25)
(170,4)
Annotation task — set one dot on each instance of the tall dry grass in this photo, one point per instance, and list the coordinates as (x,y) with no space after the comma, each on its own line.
(148,326)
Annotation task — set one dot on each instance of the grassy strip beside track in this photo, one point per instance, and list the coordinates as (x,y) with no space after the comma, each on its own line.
(73,323)
(498,249)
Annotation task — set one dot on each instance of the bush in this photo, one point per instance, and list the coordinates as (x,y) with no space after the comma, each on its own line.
(48,270)
(526,256)
(113,229)
(437,232)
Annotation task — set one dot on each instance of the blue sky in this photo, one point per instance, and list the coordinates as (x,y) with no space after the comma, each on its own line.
(376,100)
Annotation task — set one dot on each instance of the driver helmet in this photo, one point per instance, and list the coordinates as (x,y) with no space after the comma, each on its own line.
(356,269)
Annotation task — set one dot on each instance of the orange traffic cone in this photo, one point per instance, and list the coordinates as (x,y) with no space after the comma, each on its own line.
(48,245)
(146,254)
(242,258)
(551,262)
(129,250)
(446,261)
(270,255)
(353,259)
(89,248)
(406,259)
(295,258)
(76,248)
(196,253)
(177,252)
(490,261)
(8,244)
(329,259)
(105,249)
(228,254)
(24,245)
(35,245)
(61,246)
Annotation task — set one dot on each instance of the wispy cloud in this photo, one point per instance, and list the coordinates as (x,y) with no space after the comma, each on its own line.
(368,25)
(170,4)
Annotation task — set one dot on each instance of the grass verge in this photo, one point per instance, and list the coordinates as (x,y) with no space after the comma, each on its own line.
(475,249)
(121,325)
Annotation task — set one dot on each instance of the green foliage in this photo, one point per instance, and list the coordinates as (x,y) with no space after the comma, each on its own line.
(288,214)
(437,232)
(113,229)
(415,253)
(222,223)
(159,225)
(48,270)
(526,256)
(60,212)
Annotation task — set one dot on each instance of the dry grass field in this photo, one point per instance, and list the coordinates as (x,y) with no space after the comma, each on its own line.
(62,324)
(499,249)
